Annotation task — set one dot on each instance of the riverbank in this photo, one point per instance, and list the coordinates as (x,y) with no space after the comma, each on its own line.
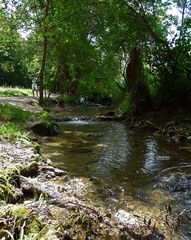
(40,201)
(170,123)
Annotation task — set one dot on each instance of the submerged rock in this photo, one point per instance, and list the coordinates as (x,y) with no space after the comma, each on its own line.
(176,183)
(125,218)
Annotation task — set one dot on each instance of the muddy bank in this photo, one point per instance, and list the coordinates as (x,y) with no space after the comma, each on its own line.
(170,123)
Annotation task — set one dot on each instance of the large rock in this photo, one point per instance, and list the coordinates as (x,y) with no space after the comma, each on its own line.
(44,129)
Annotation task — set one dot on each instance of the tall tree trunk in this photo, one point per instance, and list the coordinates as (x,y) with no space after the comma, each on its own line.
(42,70)
(46,6)
(135,79)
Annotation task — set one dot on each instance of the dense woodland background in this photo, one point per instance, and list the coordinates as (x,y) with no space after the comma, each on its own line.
(134,52)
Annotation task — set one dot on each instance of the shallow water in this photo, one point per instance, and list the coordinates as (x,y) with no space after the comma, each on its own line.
(123,164)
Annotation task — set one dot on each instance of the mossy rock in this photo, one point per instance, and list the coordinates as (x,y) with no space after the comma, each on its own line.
(30,170)
(44,129)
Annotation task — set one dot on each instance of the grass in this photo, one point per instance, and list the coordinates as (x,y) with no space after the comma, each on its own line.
(13,121)
(11,130)
(22,224)
(13,114)
(14,91)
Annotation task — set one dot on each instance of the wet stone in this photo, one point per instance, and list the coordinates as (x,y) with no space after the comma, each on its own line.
(176,183)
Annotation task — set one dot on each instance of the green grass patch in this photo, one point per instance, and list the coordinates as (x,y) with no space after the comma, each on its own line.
(11,130)
(13,121)
(10,113)
(14,91)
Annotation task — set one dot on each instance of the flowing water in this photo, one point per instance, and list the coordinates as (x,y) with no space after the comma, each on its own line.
(123,164)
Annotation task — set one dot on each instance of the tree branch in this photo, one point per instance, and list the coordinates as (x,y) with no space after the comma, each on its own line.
(143,17)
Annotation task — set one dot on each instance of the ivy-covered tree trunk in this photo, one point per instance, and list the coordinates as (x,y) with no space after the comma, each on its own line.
(135,79)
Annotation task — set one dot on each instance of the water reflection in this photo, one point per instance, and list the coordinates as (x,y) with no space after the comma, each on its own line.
(114,156)
(151,156)
(110,152)
(121,162)
(106,151)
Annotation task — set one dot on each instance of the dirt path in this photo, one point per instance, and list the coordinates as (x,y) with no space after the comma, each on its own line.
(26,103)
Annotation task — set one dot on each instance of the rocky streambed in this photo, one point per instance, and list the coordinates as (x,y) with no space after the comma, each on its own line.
(40,201)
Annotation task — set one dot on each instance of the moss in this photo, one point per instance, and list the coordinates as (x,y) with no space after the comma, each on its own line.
(19,210)
(34,227)
(21,223)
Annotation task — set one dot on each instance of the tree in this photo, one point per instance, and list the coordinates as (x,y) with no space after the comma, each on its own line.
(83,47)
(12,72)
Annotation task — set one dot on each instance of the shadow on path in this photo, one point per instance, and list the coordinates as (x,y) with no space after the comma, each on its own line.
(26,103)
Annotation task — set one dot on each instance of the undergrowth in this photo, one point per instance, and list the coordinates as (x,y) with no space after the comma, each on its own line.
(125,106)
(20,224)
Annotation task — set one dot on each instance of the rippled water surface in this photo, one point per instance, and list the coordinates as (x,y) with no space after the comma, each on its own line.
(119,160)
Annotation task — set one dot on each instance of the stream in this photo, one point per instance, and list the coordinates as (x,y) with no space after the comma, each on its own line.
(128,167)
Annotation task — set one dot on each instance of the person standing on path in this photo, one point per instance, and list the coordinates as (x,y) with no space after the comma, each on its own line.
(34,86)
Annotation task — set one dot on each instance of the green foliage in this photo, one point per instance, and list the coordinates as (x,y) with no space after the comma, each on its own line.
(10,113)
(172,72)
(7,183)
(66,98)
(12,72)
(85,55)
(12,121)
(46,118)
(6,189)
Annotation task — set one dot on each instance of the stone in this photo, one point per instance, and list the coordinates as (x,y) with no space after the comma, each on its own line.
(44,129)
